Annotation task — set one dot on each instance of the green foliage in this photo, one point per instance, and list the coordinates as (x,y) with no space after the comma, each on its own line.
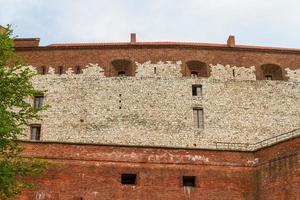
(15,114)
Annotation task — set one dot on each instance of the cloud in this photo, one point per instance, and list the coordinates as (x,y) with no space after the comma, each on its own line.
(256,22)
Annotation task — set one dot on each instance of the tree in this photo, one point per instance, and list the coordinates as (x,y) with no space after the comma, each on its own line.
(15,114)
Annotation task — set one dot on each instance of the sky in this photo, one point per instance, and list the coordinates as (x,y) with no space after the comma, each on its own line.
(253,22)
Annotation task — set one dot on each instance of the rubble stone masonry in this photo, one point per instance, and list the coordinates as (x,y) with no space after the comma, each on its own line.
(157,109)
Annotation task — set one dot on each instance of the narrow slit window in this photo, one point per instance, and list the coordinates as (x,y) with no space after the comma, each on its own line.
(189,181)
(198,118)
(38,101)
(43,70)
(128,179)
(154,70)
(77,70)
(60,70)
(197,90)
(35,132)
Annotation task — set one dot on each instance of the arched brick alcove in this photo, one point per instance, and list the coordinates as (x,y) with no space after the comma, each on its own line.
(270,72)
(122,67)
(196,68)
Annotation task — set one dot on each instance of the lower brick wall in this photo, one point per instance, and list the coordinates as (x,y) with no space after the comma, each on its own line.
(93,172)
(279,171)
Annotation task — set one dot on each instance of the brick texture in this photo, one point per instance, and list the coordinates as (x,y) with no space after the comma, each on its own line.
(93,172)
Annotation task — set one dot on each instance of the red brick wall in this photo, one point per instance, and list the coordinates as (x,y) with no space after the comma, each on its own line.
(104,55)
(26,42)
(93,172)
(279,171)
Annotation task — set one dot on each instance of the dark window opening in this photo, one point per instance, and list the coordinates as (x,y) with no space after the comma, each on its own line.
(198,118)
(38,101)
(128,179)
(154,70)
(121,73)
(189,181)
(35,132)
(194,74)
(268,77)
(60,70)
(43,70)
(197,90)
(77,70)
(233,73)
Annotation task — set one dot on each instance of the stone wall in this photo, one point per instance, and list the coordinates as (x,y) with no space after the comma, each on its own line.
(157,109)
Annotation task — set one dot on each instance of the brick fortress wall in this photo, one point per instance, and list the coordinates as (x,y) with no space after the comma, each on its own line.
(94,172)
(153,106)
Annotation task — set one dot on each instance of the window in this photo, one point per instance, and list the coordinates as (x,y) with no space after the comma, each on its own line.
(43,70)
(197,90)
(128,179)
(35,132)
(268,77)
(194,74)
(198,118)
(154,70)
(189,181)
(60,70)
(121,73)
(77,70)
(38,101)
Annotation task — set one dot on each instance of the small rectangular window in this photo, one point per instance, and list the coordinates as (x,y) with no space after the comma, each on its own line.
(194,74)
(77,70)
(35,132)
(198,118)
(128,179)
(269,77)
(60,70)
(197,90)
(121,73)
(38,101)
(43,70)
(189,181)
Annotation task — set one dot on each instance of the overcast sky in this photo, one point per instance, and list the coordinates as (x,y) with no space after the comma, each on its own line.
(254,22)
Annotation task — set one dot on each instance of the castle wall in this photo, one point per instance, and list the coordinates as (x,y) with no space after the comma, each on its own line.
(157,110)
(154,108)
(93,172)
(278,171)
(104,55)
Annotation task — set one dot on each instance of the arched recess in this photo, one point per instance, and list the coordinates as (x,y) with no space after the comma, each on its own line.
(196,68)
(122,67)
(271,72)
